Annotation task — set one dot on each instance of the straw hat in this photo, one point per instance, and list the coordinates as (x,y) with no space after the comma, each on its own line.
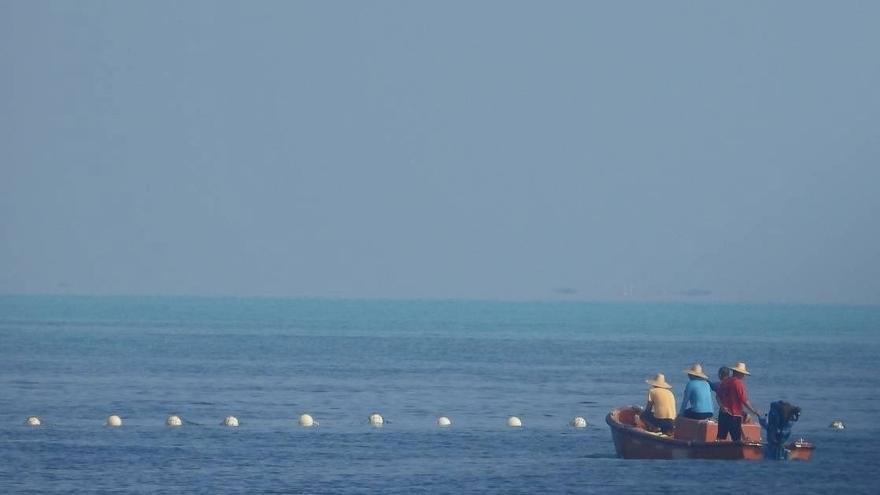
(740,368)
(697,371)
(658,381)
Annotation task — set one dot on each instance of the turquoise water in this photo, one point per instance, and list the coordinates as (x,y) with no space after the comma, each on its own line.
(75,360)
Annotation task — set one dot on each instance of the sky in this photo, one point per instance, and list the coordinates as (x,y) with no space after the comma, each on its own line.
(687,150)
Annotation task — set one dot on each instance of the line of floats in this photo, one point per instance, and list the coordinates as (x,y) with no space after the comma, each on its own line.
(305,420)
(692,439)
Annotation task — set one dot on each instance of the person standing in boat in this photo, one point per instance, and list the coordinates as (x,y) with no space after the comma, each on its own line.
(660,409)
(723,374)
(697,400)
(734,403)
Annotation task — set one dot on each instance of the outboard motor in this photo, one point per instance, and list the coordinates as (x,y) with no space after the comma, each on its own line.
(777,425)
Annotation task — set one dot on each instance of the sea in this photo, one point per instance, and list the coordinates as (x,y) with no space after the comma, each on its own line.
(74,360)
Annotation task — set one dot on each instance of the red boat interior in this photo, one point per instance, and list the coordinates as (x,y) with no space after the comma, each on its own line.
(691,429)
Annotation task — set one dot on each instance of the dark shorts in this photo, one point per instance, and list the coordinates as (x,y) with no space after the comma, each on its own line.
(664,425)
(689,413)
(728,424)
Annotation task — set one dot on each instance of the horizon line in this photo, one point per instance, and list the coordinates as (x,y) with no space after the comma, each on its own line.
(682,300)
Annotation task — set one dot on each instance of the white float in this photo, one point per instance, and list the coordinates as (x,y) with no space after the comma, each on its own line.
(307,421)
(174,420)
(33,421)
(443,422)
(837,425)
(578,422)
(230,421)
(376,420)
(514,422)
(114,421)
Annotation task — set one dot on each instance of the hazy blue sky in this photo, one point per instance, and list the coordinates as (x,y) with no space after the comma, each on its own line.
(446,149)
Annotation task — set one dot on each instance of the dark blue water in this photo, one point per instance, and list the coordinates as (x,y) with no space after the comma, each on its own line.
(75,360)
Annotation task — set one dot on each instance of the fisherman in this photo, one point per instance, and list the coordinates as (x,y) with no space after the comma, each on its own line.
(697,400)
(660,409)
(723,374)
(734,401)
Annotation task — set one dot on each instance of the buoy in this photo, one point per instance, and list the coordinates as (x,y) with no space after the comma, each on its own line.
(578,422)
(514,422)
(174,420)
(230,421)
(307,421)
(837,425)
(443,422)
(114,421)
(376,420)
(33,421)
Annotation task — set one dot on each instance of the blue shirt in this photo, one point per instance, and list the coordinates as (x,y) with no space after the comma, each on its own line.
(697,397)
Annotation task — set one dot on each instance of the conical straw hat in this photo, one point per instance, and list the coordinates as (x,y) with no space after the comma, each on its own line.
(740,368)
(658,381)
(697,370)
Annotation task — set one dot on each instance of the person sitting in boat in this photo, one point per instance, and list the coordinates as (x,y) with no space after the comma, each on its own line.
(660,410)
(734,402)
(697,400)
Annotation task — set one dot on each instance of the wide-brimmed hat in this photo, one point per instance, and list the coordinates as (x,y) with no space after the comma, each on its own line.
(697,371)
(658,381)
(740,368)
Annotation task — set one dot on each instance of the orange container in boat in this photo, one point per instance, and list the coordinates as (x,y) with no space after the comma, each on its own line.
(693,430)
(705,430)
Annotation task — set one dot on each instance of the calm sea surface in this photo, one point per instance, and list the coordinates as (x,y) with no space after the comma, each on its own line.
(75,360)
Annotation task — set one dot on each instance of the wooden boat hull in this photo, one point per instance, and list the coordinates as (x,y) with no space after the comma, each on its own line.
(633,442)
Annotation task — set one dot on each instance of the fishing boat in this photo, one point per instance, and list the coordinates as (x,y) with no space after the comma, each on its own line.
(691,439)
